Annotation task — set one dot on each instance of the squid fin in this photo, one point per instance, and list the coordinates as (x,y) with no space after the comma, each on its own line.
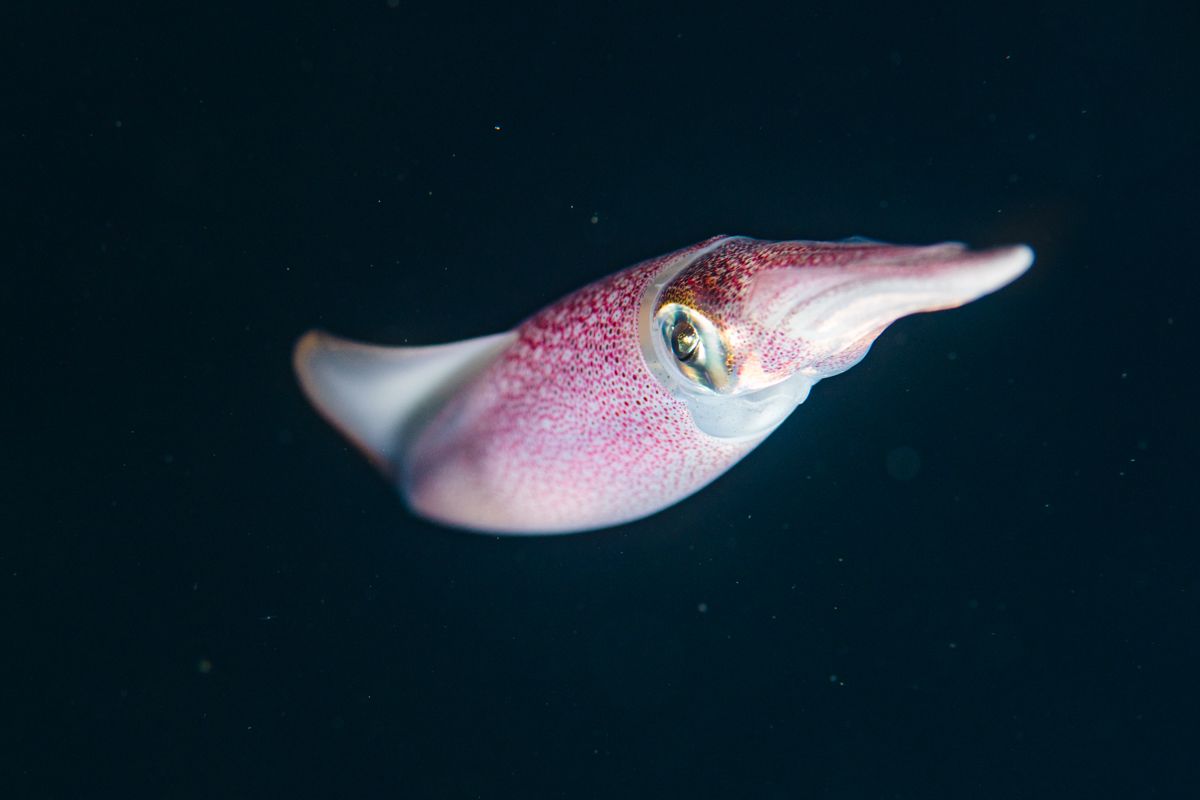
(377,396)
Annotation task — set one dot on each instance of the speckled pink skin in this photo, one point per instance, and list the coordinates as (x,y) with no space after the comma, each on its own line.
(569,429)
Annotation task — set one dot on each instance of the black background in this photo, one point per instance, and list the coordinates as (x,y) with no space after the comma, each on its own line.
(209,594)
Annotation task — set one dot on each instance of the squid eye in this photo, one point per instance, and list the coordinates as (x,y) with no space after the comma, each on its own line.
(685,341)
(696,345)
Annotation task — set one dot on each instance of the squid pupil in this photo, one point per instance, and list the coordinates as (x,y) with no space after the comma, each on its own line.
(685,341)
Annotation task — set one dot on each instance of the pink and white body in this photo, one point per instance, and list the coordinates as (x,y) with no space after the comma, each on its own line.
(636,391)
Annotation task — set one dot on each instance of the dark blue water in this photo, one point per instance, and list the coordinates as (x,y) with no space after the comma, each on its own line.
(966,568)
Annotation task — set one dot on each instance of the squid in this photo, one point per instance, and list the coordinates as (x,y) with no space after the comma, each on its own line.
(636,391)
